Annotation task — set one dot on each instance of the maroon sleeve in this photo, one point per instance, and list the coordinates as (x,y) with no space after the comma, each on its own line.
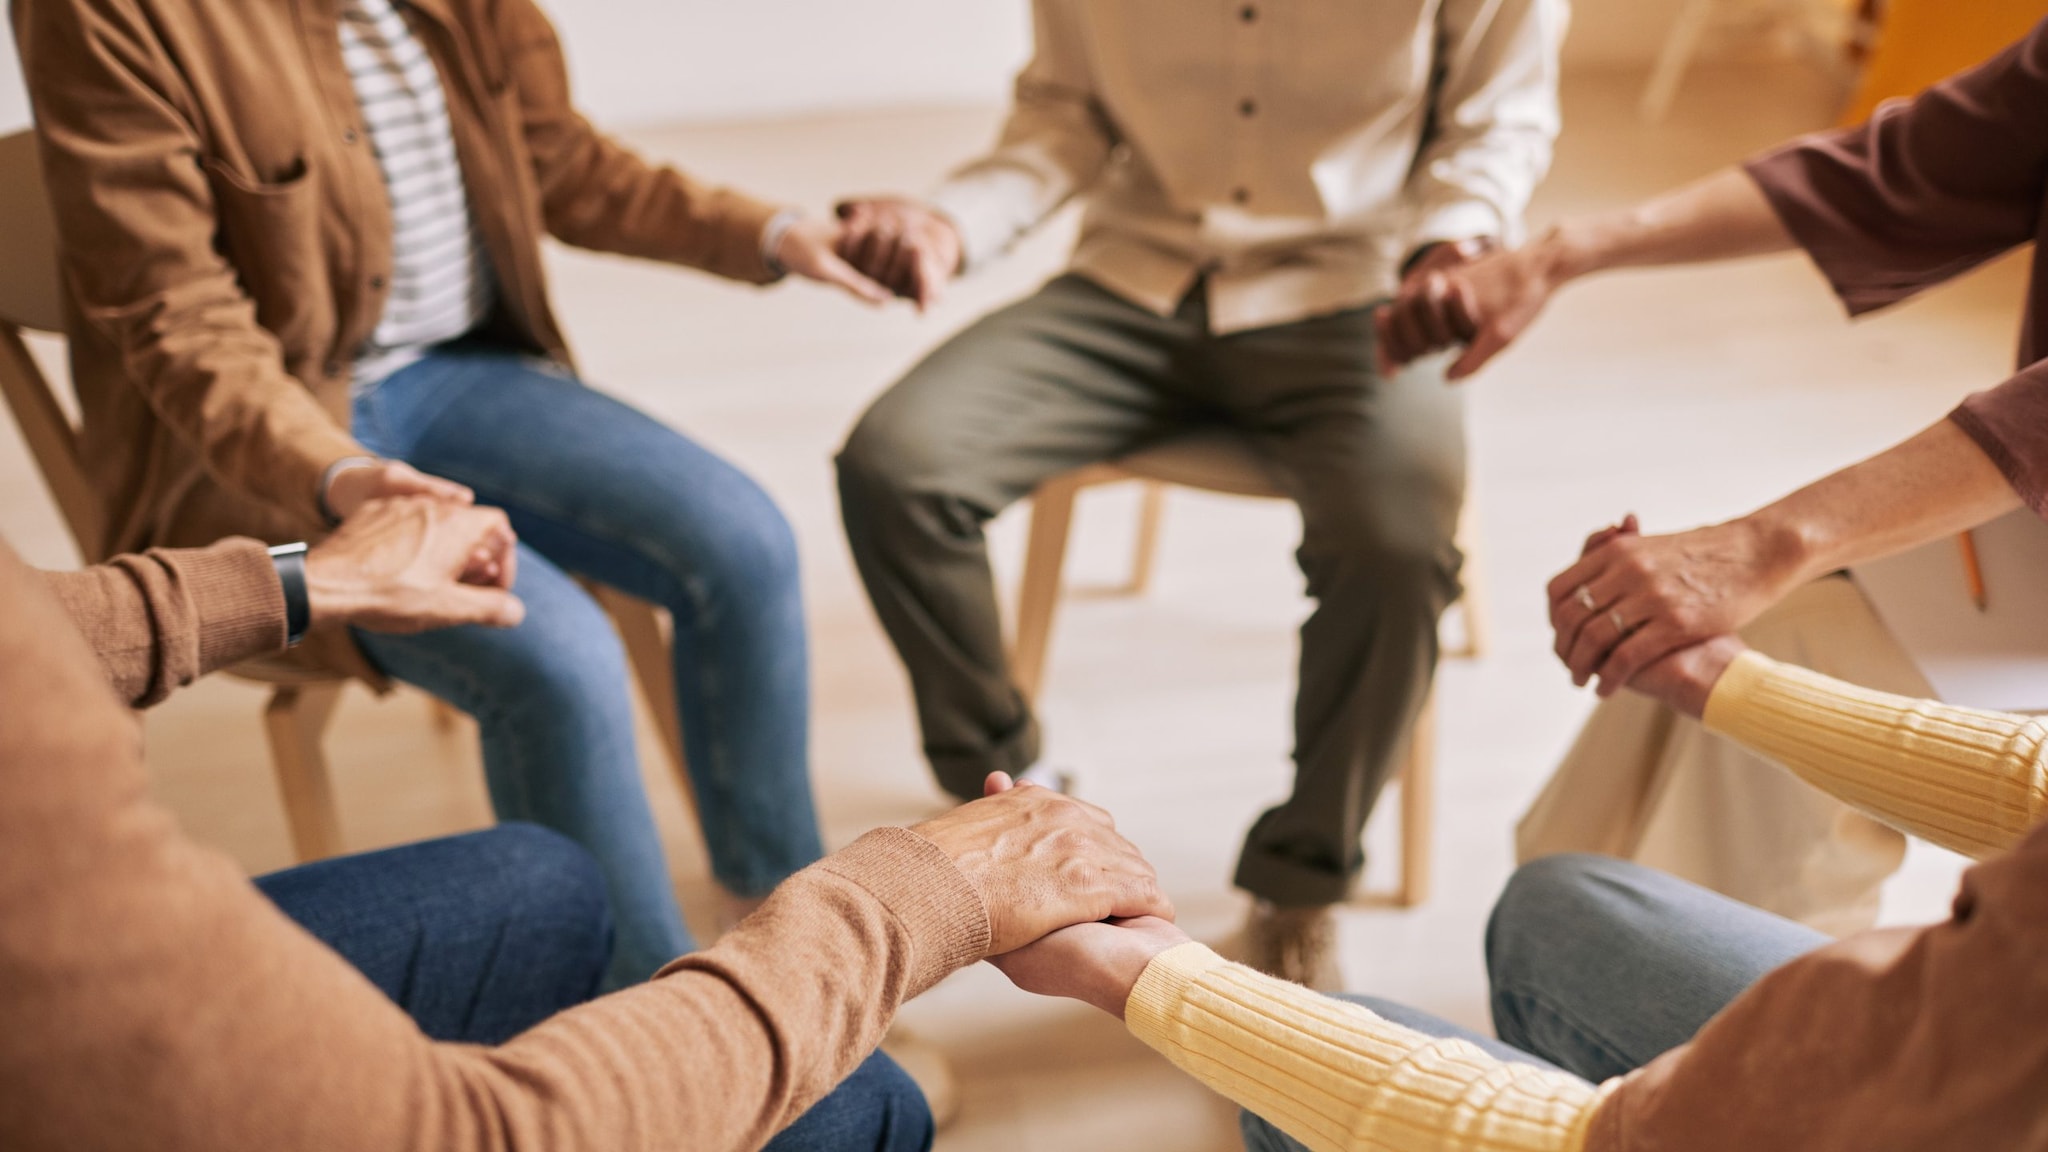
(1928,188)
(2010,422)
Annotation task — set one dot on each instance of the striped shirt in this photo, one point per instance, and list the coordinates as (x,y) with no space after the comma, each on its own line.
(440,284)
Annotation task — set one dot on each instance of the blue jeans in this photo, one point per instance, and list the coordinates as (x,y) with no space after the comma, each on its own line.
(480,937)
(1599,966)
(598,490)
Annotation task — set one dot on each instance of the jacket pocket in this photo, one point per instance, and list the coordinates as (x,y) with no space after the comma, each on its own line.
(269,231)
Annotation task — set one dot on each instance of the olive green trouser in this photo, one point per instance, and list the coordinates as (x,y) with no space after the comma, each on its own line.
(1075,375)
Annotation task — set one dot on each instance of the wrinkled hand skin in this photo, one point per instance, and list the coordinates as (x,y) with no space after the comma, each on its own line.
(1670,592)
(413,564)
(1043,861)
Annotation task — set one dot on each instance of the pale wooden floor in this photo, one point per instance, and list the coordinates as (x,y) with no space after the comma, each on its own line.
(1683,397)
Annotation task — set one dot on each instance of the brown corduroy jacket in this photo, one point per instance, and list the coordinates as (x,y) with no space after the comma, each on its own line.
(226,235)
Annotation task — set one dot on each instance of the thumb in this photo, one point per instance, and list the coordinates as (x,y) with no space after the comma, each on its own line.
(404,479)
(997,783)
(1482,349)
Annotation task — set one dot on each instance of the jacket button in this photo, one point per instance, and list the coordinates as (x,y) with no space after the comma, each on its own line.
(349,136)
(1249,107)
(1241,195)
(1248,13)
(377,282)
(332,367)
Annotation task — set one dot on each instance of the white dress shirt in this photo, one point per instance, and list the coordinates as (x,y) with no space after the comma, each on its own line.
(1295,151)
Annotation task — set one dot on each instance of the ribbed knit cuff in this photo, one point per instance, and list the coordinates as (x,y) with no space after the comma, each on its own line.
(1149,1010)
(1735,691)
(235,594)
(922,887)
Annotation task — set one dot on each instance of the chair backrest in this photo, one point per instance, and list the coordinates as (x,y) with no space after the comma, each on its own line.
(32,299)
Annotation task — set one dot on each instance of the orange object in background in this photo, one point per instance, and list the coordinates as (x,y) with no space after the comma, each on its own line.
(1924,40)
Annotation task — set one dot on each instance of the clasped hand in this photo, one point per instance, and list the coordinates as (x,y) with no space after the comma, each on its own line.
(1659,613)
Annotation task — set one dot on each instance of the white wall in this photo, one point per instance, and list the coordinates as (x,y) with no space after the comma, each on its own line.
(638,61)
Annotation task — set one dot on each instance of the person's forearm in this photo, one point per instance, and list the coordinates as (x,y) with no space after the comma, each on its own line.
(1969,780)
(160,620)
(1935,484)
(1341,1079)
(1722,217)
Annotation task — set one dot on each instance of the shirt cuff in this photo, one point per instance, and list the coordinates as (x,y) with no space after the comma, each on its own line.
(1735,692)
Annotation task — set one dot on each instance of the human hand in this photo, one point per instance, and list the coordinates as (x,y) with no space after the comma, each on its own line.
(1466,295)
(1632,600)
(908,246)
(1686,678)
(1043,861)
(354,484)
(414,564)
(810,248)
(1095,963)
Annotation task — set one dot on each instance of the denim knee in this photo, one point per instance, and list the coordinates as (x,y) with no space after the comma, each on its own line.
(748,550)
(553,888)
(1538,898)
(878,1108)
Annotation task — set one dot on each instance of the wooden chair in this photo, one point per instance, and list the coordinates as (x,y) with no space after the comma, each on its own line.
(1216,460)
(301,702)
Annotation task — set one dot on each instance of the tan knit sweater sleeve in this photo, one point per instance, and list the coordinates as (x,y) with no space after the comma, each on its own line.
(162,619)
(150,997)
(1969,780)
(1341,1079)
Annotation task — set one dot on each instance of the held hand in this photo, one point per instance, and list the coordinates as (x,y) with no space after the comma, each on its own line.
(1632,600)
(1043,861)
(353,486)
(810,248)
(906,245)
(415,564)
(1686,678)
(1480,301)
(1096,964)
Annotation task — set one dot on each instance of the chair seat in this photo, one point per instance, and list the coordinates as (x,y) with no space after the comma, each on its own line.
(1212,459)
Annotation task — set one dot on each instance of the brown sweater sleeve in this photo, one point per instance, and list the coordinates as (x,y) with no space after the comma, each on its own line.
(2010,422)
(1928,189)
(161,620)
(1888,1041)
(151,998)
(597,193)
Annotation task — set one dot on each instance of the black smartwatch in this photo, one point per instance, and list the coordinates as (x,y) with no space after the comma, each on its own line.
(291,575)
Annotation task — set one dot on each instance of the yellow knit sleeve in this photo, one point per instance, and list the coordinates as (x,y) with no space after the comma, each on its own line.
(1341,1079)
(1969,780)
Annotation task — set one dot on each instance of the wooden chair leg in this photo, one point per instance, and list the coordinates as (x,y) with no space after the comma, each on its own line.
(647,649)
(296,723)
(1045,556)
(1151,507)
(1418,810)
